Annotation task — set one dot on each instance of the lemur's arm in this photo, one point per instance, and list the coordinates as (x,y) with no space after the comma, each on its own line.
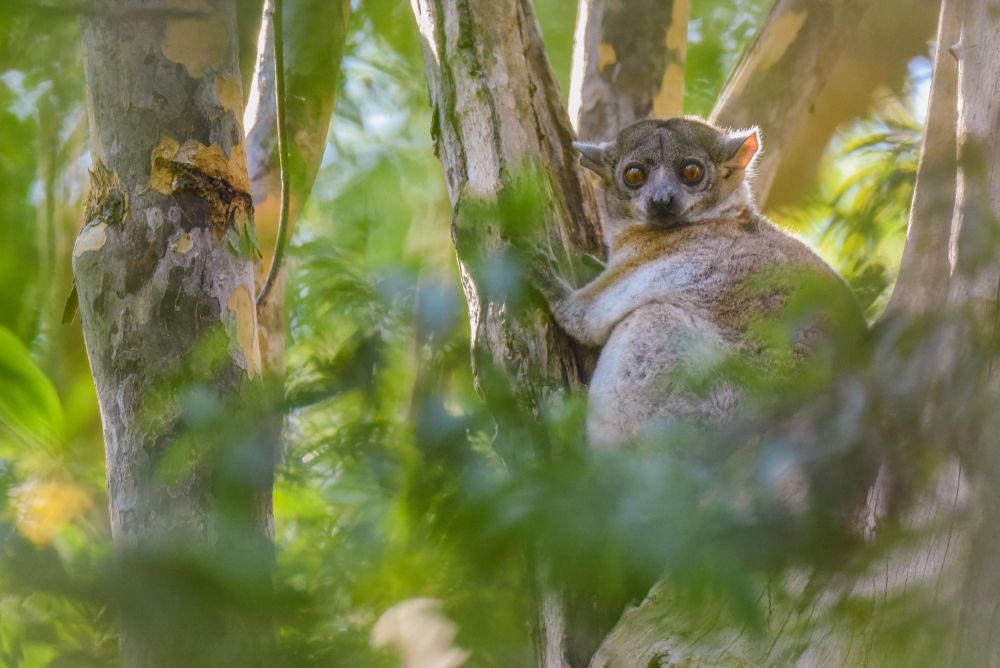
(569,307)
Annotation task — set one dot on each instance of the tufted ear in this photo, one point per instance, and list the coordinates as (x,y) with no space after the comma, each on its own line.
(597,158)
(741,148)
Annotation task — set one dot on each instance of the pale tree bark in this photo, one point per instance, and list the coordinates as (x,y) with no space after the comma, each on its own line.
(974,270)
(498,112)
(628,64)
(974,253)
(814,66)
(164,269)
(497,107)
(951,264)
(922,282)
(315,32)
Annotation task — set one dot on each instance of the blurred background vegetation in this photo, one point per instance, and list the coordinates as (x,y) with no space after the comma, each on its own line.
(390,487)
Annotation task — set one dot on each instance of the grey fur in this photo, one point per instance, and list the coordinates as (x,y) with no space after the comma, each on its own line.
(678,290)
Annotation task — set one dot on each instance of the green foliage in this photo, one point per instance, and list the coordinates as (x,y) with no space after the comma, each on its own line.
(718,35)
(30,412)
(857,216)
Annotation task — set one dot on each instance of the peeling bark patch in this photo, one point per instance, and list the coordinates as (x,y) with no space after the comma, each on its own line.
(227,91)
(184,244)
(207,172)
(92,238)
(238,168)
(606,56)
(197,43)
(227,206)
(241,306)
(107,201)
(669,101)
(211,160)
(154,218)
(161,180)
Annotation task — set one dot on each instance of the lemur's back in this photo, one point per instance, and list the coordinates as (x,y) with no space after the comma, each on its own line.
(690,303)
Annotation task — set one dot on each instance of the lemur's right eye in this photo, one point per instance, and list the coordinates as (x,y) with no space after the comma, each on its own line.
(634,176)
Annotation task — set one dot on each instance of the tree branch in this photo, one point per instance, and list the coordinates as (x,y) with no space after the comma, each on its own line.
(284,189)
(922,282)
(814,66)
(628,64)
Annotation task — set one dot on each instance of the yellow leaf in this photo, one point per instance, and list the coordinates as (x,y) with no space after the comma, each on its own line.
(45,507)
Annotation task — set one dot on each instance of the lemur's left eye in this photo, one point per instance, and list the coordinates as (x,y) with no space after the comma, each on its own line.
(692,173)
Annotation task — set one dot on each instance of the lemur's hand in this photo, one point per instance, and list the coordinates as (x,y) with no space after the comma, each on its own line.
(541,268)
(592,263)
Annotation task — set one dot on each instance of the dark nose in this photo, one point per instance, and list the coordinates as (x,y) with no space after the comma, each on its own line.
(661,203)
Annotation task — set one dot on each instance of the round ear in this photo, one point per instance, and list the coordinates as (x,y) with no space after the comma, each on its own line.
(597,158)
(741,148)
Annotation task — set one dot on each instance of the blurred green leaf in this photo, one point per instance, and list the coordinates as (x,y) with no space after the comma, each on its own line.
(30,411)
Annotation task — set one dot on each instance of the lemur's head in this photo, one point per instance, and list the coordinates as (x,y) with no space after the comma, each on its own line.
(672,171)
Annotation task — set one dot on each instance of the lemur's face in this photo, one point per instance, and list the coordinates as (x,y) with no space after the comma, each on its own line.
(670,172)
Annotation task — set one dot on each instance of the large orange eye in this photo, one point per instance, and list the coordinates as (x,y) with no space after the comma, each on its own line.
(692,173)
(634,176)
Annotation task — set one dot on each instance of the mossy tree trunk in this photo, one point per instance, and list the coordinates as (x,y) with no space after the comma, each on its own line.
(164,267)
(497,109)
(500,128)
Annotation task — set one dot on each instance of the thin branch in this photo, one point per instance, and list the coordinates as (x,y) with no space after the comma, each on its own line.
(279,93)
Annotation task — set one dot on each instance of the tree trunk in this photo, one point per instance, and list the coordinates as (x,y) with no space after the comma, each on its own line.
(499,123)
(975,284)
(628,64)
(315,32)
(813,66)
(497,112)
(977,203)
(164,270)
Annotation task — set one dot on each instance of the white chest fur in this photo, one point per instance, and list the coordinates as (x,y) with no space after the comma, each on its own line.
(673,277)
